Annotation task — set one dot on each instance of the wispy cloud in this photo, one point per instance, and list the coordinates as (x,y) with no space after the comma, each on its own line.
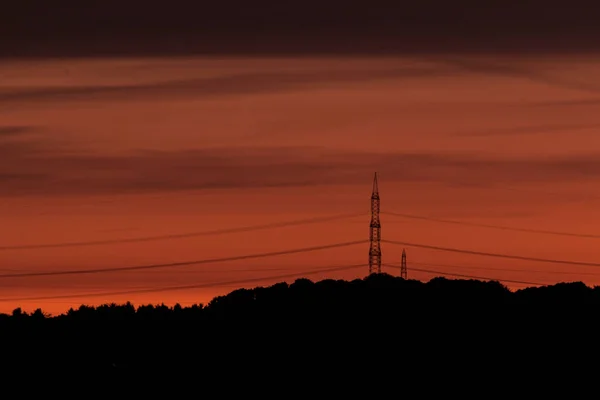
(53,171)
(526,130)
(517,70)
(234,84)
(568,103)
(15,130)
(483,170)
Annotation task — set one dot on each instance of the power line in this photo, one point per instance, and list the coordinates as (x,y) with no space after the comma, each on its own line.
(481,253)
(211,271)
(186,287)
(183,235)
(469,276)
(506,269)
(501,227)
(183,263)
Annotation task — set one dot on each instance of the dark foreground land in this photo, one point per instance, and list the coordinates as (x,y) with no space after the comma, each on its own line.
(381,331)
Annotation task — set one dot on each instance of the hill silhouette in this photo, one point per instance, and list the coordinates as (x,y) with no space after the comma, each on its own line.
(378,329)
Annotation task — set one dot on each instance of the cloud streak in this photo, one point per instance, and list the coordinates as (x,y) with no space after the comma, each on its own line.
(53,171)
(480,66)
(568,103)
(526,130)
(14,131)
(234,84)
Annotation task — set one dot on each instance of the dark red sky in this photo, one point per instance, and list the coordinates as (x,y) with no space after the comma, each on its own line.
(129,145)
(71,27)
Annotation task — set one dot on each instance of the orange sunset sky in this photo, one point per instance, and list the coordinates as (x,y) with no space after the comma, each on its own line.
(121,147)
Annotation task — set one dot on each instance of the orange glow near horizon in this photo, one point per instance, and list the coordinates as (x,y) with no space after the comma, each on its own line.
(94,150)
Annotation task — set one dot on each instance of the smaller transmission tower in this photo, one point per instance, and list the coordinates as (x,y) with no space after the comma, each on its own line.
(403,272)
(375,232)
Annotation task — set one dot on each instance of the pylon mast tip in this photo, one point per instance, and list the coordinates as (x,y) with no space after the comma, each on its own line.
(375,188)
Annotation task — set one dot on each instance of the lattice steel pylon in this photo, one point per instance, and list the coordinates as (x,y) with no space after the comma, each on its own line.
(403,270)
(375,232)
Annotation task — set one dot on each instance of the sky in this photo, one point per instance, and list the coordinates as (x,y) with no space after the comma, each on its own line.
(126,147)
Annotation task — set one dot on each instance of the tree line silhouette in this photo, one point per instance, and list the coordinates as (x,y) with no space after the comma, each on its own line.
(329,328)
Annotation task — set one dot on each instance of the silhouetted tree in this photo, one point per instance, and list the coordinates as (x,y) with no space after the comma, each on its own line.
(329,326)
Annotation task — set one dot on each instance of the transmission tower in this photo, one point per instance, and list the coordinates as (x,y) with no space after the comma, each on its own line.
(403,271)
(375,232)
